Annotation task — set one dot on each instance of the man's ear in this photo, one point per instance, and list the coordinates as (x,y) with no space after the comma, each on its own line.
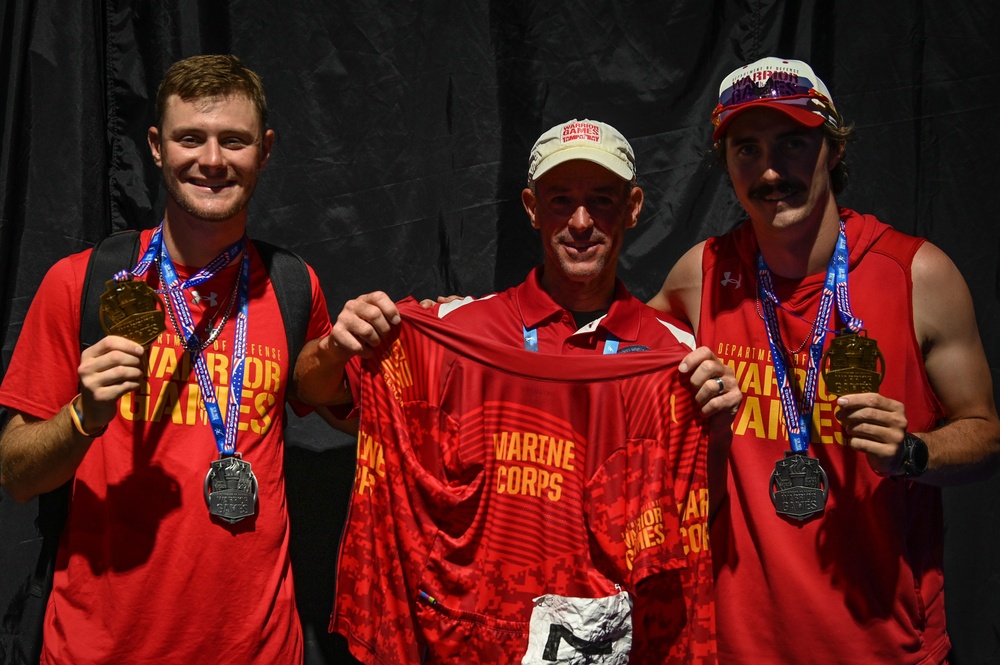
(635,199)
(266,144)
(530,203)
(837,151)
(153,138)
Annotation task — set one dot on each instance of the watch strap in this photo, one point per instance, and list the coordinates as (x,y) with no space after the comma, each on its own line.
(915,456)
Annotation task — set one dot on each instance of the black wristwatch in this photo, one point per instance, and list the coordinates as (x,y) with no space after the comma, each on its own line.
(914,456)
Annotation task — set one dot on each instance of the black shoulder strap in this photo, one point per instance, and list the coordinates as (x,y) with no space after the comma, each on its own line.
(290,279)
(119,251)
(116,252)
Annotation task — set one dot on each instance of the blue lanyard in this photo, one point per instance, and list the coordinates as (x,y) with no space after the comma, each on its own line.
(224,431)
(531,341)
(835,291)
(156,247)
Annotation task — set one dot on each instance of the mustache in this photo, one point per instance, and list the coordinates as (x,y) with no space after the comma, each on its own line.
(783,187)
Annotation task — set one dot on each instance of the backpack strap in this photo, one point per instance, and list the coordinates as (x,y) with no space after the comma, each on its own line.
(119,251)
(116,252)
(293,288)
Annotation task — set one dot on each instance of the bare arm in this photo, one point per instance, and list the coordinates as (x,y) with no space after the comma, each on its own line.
(967,446)
(38,455)
(345,425)
(718,392)
(680,294)
(319,377)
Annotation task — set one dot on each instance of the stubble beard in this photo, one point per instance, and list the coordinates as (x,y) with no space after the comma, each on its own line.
(191,206)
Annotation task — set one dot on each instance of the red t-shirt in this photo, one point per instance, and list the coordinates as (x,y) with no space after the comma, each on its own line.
(489,476)
(144,574)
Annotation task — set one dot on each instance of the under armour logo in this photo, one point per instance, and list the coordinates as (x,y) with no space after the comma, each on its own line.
(210,300)
(727,280)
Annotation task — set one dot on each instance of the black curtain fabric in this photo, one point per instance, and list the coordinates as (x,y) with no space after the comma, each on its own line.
(403,135)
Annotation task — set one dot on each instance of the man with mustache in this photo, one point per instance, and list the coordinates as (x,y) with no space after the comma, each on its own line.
(865,388)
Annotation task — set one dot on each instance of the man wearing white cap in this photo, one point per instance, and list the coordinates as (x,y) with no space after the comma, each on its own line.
(582,207)
(865,386)
(581,197)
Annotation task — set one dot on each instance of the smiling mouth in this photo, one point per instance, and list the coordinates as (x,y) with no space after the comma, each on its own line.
(214,186)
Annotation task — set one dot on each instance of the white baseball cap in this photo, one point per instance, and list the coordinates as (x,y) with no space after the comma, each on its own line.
(789,86)
(590,140)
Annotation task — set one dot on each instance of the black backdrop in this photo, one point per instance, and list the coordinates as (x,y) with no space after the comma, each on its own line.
(403,132)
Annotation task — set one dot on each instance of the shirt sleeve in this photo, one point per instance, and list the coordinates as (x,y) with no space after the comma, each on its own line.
(42,376)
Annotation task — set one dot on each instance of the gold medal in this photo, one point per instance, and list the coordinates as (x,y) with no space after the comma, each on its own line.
(853,364)
(133,310)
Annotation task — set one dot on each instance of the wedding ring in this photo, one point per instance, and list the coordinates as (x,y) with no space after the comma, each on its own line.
(722,386)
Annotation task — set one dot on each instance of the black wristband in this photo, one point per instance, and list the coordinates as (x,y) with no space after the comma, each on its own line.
(915,456)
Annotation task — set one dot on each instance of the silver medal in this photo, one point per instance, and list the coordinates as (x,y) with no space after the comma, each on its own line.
(231,489)
(799,486)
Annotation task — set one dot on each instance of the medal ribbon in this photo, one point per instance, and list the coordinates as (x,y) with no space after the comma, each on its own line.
(224,430)
(146,260)
(202,276)
(798,414)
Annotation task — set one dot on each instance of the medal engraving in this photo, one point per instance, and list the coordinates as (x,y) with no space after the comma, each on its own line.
(133,310)
(853,364)
(231,489)
(798,486)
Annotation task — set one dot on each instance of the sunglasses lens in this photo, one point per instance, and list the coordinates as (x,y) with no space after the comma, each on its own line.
(747,90)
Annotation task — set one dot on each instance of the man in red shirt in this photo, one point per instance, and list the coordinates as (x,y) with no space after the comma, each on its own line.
(865,386)
(159,561)
(581,197)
